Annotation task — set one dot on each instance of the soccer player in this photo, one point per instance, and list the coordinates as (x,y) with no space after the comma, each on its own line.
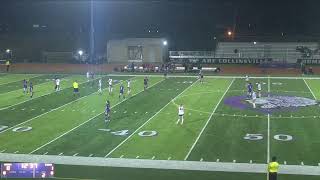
(8,65)
(259,89)
(247,78)
(107,112)
(129,86)
(201,77)
(92,79)
(25,86)
(75,88)
(121,91)
(57,87)
(100,86)
(273,169)
(250,88)
(110,86)
(145,82)
(180,114)
(88,76)
(31,89)
(254,97)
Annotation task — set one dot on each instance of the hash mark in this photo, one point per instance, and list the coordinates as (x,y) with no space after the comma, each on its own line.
(16,152)
(23,109)
(146,112)
(136,112)
(137,157)
(218,160)
(121,156)
(302,163)
(45,153)
(285,162)
(60,154)
(125,112)
(170,158)
(90,155)
(153,157)
(2,151)
(75,154)
(234,161)
(201,159)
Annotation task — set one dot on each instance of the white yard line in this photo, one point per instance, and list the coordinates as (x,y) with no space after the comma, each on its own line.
(36,97)
(149,119)
(159,164)
(268,140)
(22,79)
(67,132)
(204,127)
(310,89)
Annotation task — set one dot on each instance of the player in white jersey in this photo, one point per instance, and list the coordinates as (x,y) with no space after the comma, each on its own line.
(259,89)
(247,78)
(254,97)
(180,114)
(57,84)
(110,85)
(88,76)
(100,86)
(129,86)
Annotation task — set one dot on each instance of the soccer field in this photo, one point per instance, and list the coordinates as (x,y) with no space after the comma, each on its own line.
(220,124)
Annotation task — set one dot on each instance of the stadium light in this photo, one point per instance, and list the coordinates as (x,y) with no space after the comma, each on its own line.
(8,51)
(254,42)
(165,42)
(80,52)
(229,33)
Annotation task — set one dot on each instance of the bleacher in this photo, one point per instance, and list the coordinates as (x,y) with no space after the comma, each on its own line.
(278,51)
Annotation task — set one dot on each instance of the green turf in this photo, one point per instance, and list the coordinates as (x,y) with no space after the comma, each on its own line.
(4,80)
(223,137)
(199,101)
(128,116)
(63,119)
(5,88)
(37,106)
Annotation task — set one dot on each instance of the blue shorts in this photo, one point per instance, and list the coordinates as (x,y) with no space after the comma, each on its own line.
(75,90)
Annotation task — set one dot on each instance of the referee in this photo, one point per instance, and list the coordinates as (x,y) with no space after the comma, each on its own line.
(273,168)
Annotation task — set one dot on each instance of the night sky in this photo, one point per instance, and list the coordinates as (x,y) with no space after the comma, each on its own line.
(188,25)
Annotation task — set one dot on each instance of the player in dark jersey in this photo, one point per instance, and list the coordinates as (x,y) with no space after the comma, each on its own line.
(107,112)
(25,86)
(250,88)
(31,89)
(121,92)
(145,82)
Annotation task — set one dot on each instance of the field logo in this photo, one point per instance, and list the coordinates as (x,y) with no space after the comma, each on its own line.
(271,102)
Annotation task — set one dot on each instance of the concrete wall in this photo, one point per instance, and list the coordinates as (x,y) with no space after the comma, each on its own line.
(153,50)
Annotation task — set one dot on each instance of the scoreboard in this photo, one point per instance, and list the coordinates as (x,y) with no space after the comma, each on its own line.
(27,170)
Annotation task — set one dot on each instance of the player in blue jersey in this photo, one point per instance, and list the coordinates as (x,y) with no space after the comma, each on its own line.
(31,89)
(25,86)
(250,88)
(145,82)
(107,112)
(121,92)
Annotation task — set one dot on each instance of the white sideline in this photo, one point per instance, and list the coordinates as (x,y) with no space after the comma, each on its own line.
(310,89)
(159,164)
(36,97)
(67,132)
(149,119)
(204,127)
(226,76)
